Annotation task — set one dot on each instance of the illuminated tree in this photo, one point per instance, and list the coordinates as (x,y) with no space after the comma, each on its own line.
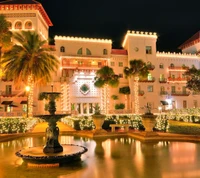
(193,76)
(106,77)
(137,68)
(29,61)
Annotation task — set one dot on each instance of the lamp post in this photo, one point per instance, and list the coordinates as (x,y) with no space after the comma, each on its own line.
(27,93)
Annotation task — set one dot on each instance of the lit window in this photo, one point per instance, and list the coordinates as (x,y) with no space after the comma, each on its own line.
(18,25)
(148,50)
(88,52)
(112,63)
(80,51)
(150,88)
(120,64)
(28,25)
(161,66)
(62,49)
(149,77)
(105,51)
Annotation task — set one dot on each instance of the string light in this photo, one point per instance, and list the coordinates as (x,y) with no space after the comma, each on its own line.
(136,86)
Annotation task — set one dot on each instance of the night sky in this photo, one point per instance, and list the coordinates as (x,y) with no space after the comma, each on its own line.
(174,20)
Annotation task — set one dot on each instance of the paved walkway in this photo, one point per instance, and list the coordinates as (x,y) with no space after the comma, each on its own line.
(41,127)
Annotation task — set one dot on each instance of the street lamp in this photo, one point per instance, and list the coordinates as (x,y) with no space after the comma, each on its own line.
(27,93)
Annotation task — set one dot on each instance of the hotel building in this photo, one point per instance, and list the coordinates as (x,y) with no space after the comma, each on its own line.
(81,57)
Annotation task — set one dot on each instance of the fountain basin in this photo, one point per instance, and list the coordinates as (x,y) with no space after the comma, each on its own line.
(35,155)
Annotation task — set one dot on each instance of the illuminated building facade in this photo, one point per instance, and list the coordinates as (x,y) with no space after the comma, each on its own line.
(80,58)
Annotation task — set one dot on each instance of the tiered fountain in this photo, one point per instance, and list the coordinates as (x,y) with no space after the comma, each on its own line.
(53,153)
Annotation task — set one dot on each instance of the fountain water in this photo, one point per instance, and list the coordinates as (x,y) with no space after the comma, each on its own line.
(53,153)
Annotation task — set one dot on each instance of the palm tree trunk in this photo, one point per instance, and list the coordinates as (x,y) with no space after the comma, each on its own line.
(30,96)
(136,102)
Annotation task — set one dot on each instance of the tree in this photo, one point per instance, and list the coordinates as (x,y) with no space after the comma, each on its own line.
(5,38)
(29,61)
(137,68)
(193,79)
(106,77)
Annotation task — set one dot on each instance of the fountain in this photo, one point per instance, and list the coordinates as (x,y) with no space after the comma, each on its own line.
(53,153)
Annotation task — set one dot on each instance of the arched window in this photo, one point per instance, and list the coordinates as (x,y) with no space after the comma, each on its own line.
(88,52)
(28,25)
(105,51)
(18,25)
(9,25)
(80,51)
(62,49)
(161,66)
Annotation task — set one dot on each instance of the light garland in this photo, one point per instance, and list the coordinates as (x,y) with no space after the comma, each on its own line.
(136,86)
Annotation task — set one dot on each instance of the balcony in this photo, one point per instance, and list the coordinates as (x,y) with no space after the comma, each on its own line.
(150,67)
(162,80)
(163,93)
(82,66)
(180,93)
(195,93)
(178,79)
(13,94)
(149,80)
(140,93)
(173,68)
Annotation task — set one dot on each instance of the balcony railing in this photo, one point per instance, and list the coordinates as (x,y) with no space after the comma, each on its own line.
(178,79)
(162,80)
(140,93)
(147,79)
(163,93)
(82,66)
(13,94)
(195,93)
(173,68)
(180,93)
(150,67)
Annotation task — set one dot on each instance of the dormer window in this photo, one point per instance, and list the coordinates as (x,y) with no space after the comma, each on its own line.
(62,49)
(88,52)
(80,51)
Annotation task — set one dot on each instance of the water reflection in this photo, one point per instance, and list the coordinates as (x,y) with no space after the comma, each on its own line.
(113,158)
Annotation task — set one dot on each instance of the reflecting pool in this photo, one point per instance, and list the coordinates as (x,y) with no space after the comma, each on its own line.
(108,158)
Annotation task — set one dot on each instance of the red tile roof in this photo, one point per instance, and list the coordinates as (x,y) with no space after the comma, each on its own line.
(119,51)
(191,41)
(33,3)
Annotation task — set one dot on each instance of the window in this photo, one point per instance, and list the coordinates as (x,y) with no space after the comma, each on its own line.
(18,25)
(173,88)
(120,64)
(105,51)
(148,50)
(88,52)
(62,49)
(80,51)
(149,77)
(172,65)
(161,66)
(28,25)
(184,104)
(150,88)
(8,89)
(120,75)
(195,103)
(112,63)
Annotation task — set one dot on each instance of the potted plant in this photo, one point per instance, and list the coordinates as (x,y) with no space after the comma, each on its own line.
(148,119)
(97,117)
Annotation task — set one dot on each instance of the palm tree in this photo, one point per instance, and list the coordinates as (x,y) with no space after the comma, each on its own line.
(106,77)
(29,61)
(5,38)
(137,68)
